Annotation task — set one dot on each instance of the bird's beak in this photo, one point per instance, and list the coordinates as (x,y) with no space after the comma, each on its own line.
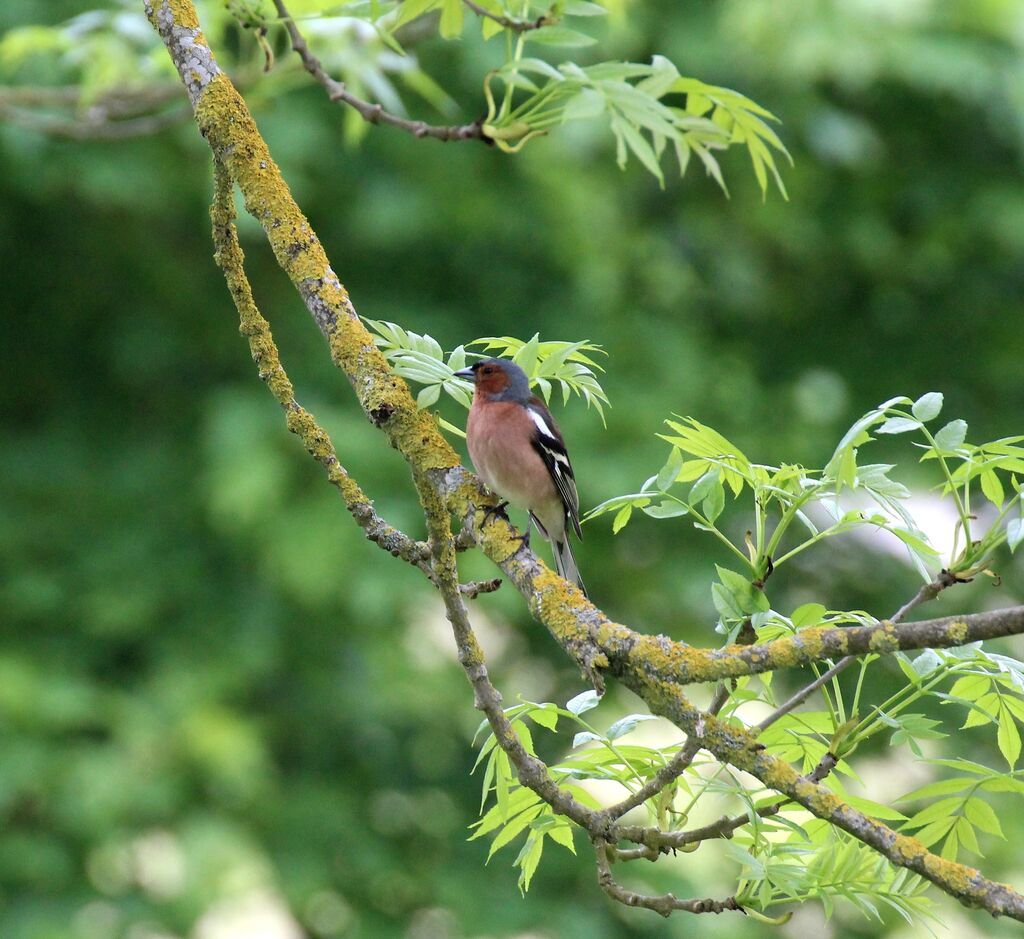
(465,373)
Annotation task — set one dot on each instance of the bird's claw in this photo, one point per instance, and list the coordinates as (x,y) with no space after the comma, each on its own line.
(500,511)
(495,511)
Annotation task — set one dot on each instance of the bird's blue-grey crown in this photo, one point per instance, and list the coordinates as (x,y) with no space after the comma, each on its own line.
(518,387)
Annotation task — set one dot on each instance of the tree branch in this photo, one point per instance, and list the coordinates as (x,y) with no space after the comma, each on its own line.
(517,26)
(531,771)
(662,658)
(94,126)
(256,329)
(373,113)
(739,748)
(678,765)
(927,593)
(664,905)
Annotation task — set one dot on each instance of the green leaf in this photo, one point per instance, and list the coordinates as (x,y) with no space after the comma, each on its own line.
(992,488)
(622,518)
(583,702)
(669,508)
(584,736)
(562,834)
(529,858)
(625,725)
(982,815)
(951,436)
(408,10)
(583,106)
(702,488)
(714,503)
(489,27)
(943,787)
(502,779)
(1008,737)
(670,471)
(965,832)
(639,145)
(513,828)
(875,809)
(927,407)
(558,36)
(546,716)
(748,598)
(937,811)
(452,12)
(428,396)
(725,602)
(525,736)
(898,425)
(809,614)
(1014,533)
(526,355)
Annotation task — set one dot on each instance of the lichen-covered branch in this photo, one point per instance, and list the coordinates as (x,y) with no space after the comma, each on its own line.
(927,593)
(739,747)
(531,771)
(373,113)
(675,661)
(256,329)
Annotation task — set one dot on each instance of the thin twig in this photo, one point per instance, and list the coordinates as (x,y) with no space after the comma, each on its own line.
(664,905)
(517,26)
(673,769)
(927,592)
(92,127)
(373,113)
(655,841)
(474,588)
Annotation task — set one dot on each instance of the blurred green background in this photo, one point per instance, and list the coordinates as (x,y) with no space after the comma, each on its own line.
(223,714)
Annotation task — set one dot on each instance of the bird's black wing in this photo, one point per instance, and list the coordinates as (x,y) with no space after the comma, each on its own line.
(548,442)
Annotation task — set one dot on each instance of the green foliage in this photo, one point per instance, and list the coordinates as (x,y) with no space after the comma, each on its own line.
(647,107)
(198,644)
(787,856)
(422,360)
(633,99)
(820,862)
(786,496)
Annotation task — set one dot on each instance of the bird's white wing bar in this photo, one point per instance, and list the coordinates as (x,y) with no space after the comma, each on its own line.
(548,443)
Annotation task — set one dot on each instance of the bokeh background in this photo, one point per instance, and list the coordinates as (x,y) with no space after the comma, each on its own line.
(223,714)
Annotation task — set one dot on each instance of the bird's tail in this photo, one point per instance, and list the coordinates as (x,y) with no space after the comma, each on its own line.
(565,563)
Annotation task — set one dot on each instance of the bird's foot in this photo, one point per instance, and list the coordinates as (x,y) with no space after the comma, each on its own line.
(495,511)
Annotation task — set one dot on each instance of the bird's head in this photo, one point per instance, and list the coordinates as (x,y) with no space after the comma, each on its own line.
(498,380)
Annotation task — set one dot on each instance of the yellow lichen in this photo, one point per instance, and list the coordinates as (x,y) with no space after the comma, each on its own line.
(884,639)
(957,632)
(183,11)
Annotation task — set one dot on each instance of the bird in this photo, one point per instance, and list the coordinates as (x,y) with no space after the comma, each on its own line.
(518,451)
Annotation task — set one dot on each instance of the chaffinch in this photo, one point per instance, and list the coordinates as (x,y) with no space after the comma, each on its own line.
(518,451)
